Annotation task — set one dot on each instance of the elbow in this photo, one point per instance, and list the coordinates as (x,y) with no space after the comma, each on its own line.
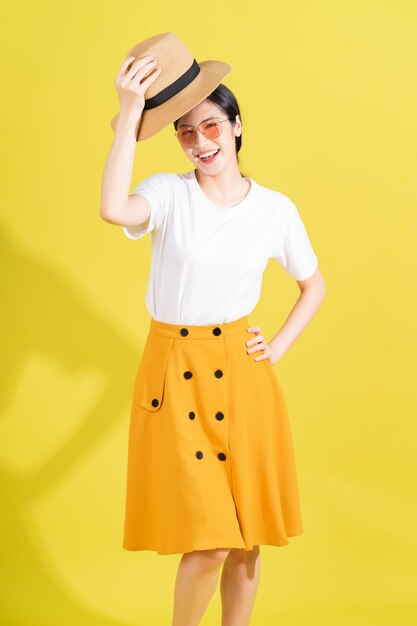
(103,214)
(107,215)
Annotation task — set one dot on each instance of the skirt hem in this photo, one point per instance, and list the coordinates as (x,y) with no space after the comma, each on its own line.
(206,546)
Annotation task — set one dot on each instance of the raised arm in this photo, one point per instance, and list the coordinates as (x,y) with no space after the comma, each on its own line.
(117,207)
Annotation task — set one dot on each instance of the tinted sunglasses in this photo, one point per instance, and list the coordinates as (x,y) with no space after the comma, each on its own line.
(210,129)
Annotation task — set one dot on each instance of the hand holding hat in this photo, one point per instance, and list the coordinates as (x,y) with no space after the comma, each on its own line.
(131,85)
(177,85)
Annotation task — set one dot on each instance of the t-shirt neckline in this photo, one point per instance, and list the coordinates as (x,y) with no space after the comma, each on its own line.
(237,207)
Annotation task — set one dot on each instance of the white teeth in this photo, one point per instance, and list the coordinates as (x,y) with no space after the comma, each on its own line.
(207,154)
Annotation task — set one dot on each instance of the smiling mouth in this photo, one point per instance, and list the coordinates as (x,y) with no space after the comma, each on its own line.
(210,156)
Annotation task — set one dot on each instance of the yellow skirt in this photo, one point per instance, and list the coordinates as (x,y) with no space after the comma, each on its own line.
(210,452)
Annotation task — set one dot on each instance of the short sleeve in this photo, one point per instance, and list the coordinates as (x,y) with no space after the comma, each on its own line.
(157,189)
(293,249)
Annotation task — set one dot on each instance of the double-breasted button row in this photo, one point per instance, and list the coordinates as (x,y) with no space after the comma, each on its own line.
(221,455)
(218,374)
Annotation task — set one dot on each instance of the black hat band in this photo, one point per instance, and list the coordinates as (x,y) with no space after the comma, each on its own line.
(174,88)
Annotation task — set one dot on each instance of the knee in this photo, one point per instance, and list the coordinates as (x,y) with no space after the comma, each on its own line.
(243,563)
(208,560)
(244,556)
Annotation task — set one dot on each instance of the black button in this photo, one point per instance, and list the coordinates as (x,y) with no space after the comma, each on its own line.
(184,332)
(191,415)
(219,415)
(218,373)
(199,454)
(221,456)
(188,374)
(155,402)
(217,331)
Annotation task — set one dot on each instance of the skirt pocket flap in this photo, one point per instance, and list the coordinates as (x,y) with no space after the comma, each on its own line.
(150,380)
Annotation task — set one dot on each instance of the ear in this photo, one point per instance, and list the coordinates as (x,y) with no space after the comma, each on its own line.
(238,126)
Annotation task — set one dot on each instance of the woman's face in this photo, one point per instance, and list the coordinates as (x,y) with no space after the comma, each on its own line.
(225,143)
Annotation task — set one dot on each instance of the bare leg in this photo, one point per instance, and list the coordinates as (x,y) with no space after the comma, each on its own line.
(196,582)
(238,585)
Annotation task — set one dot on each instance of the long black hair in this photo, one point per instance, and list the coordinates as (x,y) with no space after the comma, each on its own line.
(226,101)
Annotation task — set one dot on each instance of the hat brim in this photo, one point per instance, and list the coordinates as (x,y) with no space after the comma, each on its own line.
(153,120)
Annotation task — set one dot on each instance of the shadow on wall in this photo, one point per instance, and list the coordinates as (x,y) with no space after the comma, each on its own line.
(42,314)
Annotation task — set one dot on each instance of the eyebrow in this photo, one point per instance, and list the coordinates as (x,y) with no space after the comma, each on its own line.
(213,117)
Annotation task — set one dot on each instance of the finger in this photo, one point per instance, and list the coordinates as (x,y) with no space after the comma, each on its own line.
(139,80)
(256,339)
(252,329)
(140,68)
(257,348)
(140,61)
(125,64)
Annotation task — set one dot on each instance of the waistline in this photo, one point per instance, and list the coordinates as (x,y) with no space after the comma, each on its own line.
(195,331)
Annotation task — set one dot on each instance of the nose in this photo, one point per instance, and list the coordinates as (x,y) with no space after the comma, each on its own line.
(201,142)
(199,137)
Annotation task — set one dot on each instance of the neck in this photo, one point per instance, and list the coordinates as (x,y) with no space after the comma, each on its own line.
(225,184)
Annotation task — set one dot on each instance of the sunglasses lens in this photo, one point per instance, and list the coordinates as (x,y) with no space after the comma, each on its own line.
(186,136)
(212,129)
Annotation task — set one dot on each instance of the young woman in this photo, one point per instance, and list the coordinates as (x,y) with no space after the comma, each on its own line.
(211,469)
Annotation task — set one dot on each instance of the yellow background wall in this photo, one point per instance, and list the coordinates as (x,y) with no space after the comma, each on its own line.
(327,92)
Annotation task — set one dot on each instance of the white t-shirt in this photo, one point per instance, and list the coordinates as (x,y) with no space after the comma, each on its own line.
(207,261)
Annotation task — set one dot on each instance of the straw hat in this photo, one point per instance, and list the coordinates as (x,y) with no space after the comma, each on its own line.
(182,84)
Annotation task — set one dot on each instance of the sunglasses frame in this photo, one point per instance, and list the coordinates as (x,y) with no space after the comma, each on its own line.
(195,128)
